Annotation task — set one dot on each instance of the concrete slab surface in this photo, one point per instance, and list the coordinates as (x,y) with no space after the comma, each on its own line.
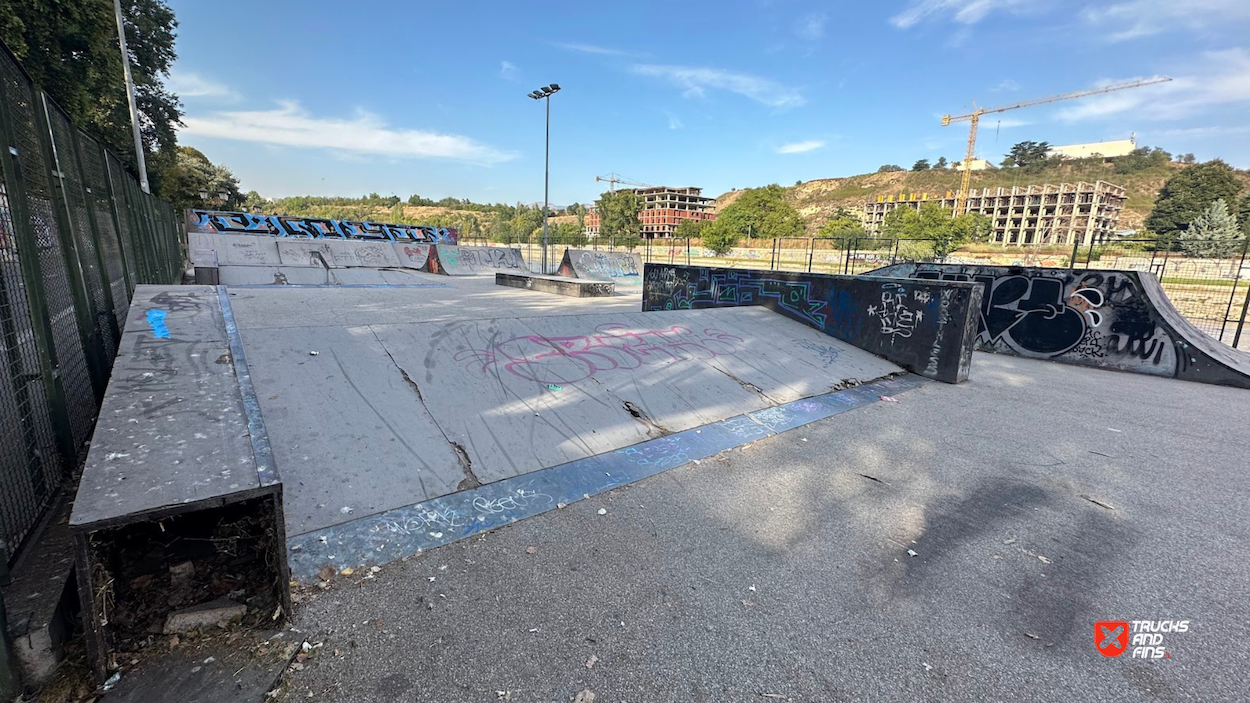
(1038,498)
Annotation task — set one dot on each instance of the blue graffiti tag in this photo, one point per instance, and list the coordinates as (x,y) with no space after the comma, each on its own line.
(156,318)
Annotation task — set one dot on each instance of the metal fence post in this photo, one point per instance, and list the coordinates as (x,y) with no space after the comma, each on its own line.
(1245,243)
(1076,243)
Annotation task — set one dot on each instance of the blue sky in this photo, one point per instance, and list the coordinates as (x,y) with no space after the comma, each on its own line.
(395,97)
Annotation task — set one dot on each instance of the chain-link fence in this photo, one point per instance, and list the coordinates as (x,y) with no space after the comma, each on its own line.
(76,235)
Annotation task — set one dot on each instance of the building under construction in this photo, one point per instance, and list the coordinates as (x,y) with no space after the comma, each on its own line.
(1026,215)
(662,209)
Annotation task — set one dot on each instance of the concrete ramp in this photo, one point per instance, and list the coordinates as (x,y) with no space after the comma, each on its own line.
(453,260)
(621,267)
(1120,320)
(389,415)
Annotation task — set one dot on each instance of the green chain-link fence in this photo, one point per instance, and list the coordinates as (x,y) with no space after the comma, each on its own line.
(76,234)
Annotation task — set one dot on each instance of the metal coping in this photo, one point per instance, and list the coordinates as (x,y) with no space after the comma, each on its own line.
(266,469)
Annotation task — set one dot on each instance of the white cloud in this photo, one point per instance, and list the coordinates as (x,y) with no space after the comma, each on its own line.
(961,11)
(1219,78)
(674,122)
(801,147)
(508,70)
(1140,18)
(592,49)
(365,133)
(812,27)
(696,81)
(193,85)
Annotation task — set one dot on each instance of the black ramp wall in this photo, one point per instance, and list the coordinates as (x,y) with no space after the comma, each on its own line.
(927,327)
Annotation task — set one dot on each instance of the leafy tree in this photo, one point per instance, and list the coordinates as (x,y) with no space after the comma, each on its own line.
(932,222)
(921,165)
(843,226)
(70,49)
(1027,153)
(1213,234)
(567,234)
(760,213)
(690,229)
(718,240)
(889,168)
(1243,214)
(1187,158)
(941,162)
(629,242)
(1141,159)
(192,173)
(618,214)
(1187,194)
(252,202)
(972,227)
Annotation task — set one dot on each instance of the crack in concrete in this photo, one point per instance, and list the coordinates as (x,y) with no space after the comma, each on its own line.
(470,479)
(746,384)
(654,429)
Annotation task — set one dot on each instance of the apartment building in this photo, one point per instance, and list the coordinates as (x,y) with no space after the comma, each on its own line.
(663,208)
(1063,213)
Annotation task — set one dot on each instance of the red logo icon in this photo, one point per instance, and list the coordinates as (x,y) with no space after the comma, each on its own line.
(1111,637)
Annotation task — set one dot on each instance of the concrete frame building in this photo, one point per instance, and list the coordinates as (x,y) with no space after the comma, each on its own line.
(1065,213)
(663,208)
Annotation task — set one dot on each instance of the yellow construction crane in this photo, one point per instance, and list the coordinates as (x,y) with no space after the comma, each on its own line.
(961,198)
(613,178)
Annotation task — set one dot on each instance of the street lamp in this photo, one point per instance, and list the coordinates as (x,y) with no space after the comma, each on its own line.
(545,93)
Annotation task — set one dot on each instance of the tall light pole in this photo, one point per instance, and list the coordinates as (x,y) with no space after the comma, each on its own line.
(545,93)
(140,160)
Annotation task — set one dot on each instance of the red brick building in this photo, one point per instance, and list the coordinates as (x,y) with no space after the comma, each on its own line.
(662,209)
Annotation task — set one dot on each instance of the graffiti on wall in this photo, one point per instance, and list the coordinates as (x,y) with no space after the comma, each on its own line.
(599,265)
(222,222)
(895,319)
(1093,317)
(610,347)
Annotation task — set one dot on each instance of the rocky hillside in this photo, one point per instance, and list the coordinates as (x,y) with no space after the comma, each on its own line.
(817,200)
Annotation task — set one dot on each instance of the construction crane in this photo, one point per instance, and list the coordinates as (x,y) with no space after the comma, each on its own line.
(613,178)
(961,198)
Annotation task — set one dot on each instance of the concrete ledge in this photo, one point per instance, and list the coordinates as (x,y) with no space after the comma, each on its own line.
(559,285)
(927,327)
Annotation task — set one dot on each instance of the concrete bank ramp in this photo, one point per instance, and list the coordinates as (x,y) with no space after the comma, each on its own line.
(621,267)
(307,276)
(1112,319)
(384,416)
(454,260)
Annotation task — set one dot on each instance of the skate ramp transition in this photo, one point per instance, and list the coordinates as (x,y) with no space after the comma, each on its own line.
(624,268)
(226,222)
(454,260)
(927,327)
(1114,319)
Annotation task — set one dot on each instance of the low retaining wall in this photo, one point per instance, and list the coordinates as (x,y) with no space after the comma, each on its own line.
(558,285)
(927,327)
(620,266)
(1119,320)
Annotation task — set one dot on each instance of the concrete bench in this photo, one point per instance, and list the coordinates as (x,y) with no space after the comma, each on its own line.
(179,475)
(559,285)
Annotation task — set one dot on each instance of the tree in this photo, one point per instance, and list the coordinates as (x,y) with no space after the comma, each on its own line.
(920,165)
(1213,234)
(70,49)
(760,213)
(192,173)
(618,214)
(941,162)
(889,168)
(843,227)
(932,222)
(1187,158)
(1027,153)
(972,227)
(1141,159)
(718,240)
(690,229)
(252,202)
(1243,214)
(1187,194)
(567,234)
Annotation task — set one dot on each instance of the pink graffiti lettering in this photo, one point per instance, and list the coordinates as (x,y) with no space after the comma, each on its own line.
(611,347)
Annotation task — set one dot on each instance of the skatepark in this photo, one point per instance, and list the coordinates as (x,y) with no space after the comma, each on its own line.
(708,464)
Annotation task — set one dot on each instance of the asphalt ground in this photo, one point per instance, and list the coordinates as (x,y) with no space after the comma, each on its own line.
(1037,498)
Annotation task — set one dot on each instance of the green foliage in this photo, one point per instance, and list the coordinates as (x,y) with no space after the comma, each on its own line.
(1213,234)
(941,162)
(1243,214)
(1187,158)
(921,165)
(843,227)
(914,250)
(192,172)
(759,213)
(1027,153)
(1187,194)
(889,168)
(70,49)
(618,214)
(1141,159)
(567,234)
(934,223)
(718,240)
(629,242)
(690,229)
